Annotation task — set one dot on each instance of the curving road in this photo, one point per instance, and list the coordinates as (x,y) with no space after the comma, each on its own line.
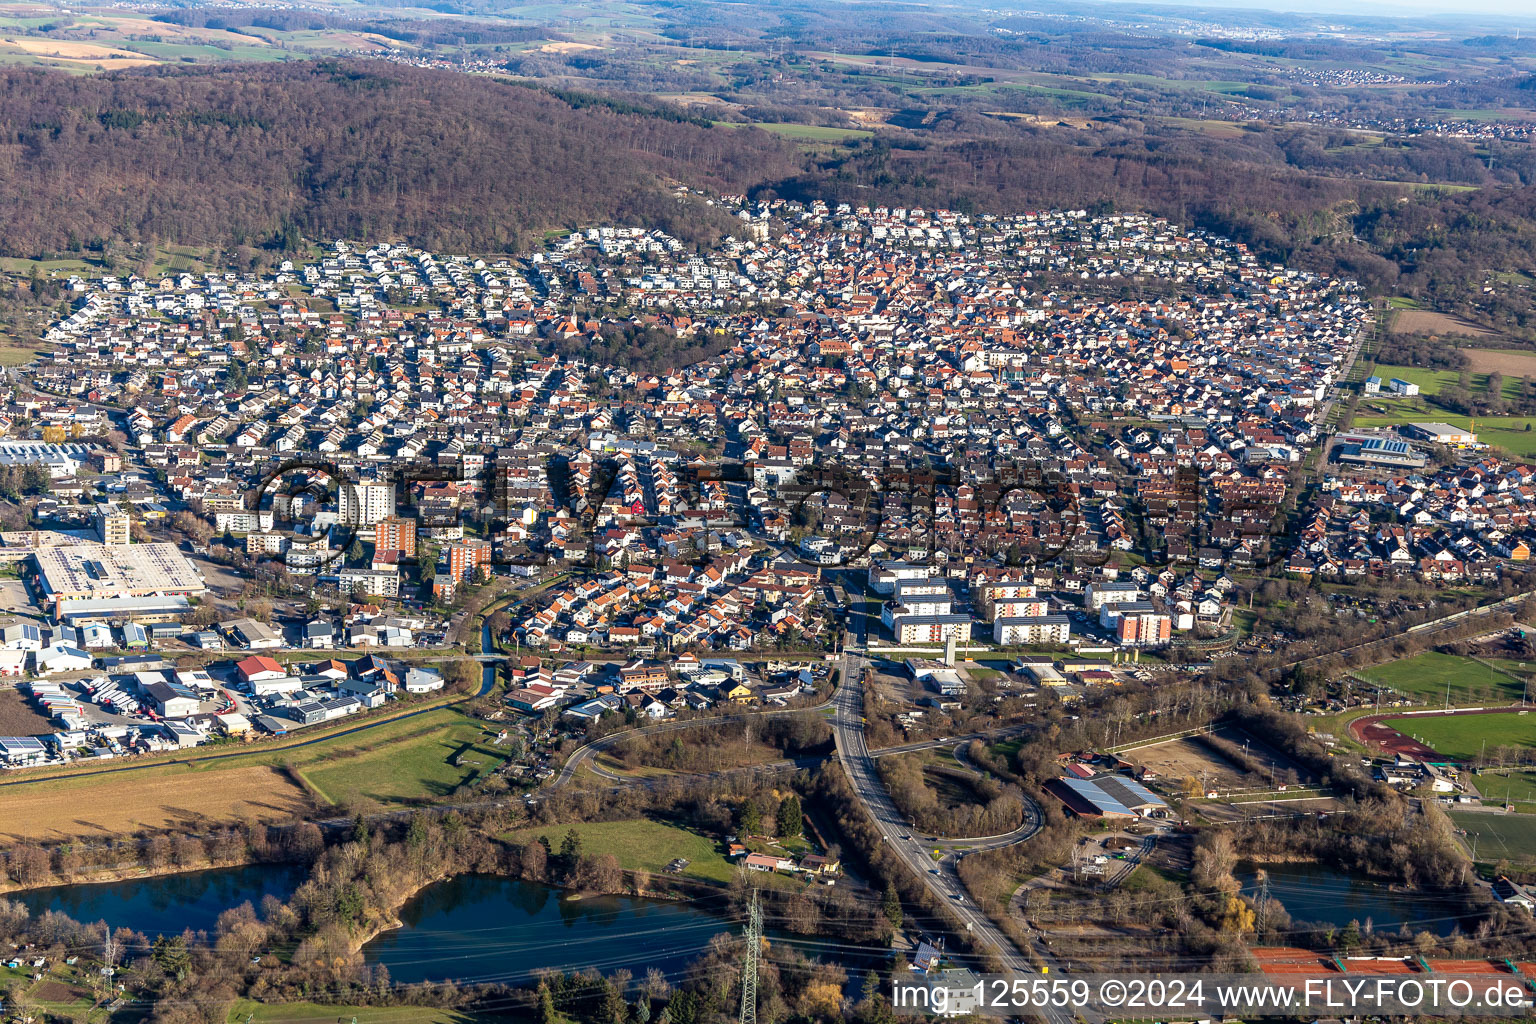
(942,878)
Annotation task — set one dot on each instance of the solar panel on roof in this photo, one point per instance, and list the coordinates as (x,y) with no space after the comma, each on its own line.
(1095,795)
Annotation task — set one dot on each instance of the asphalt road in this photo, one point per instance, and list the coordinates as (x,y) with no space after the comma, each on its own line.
(941,878)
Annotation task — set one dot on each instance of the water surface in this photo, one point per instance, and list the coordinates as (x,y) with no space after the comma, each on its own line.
(167,904)
(1316,893)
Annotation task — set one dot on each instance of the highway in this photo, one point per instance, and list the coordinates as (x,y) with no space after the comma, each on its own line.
(941,878)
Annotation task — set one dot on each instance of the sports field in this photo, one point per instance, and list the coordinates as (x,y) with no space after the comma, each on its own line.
(641,844)
(1464,737)
(1426,677)
(1510,837)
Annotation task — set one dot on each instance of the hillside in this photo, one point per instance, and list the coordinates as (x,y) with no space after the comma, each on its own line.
(240,153)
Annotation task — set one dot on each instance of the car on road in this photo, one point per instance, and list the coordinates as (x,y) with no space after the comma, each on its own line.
(933,871)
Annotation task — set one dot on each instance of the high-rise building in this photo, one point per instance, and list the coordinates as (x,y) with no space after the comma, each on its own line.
(465,558)
(366,503)
(1031,629)
(395,534)
(1145,628)
(112,525)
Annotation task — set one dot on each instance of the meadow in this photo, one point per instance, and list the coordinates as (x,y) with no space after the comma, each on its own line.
(641,844)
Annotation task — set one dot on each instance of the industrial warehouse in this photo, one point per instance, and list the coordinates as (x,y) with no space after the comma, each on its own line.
(109,574)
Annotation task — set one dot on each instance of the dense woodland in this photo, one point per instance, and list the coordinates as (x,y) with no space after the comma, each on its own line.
(241,154)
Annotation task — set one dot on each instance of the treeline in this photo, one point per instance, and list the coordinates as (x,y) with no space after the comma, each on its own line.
(237,154)
(1429,352)
(408,30)
(728,744)
(30,864)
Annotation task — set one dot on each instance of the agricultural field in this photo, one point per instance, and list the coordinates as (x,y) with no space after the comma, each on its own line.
(172,796)
(1410,320)
(107,39)
(642,845)
(813,133)
(1464,737)
(1426,677)
(419,759)
(20,717)
(1513,363)
(68,54)
(393,762)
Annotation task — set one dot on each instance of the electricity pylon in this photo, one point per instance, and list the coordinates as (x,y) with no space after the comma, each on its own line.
(749,962)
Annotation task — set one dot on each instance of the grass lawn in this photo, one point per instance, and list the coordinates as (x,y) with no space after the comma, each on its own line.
(1463,736)
(20,356)
(302,1013)
(1430,382)
(1425,676)
(418,764)
(1499,837)
(1007,748)
(642,844)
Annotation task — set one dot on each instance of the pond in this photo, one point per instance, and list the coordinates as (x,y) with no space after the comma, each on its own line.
(1316,893)
(480,929)
(166,904)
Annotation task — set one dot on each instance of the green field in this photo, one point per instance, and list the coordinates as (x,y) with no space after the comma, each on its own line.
(309,1013)
(1510,837)
(1425,676)
(641,844)
(1512,787)
(20,356)
(419,764)
(1432,382)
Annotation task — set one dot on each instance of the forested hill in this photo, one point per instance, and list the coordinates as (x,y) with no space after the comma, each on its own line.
(364,150)
(251,153)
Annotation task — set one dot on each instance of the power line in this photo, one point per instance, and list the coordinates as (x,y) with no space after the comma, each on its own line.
(749,962)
